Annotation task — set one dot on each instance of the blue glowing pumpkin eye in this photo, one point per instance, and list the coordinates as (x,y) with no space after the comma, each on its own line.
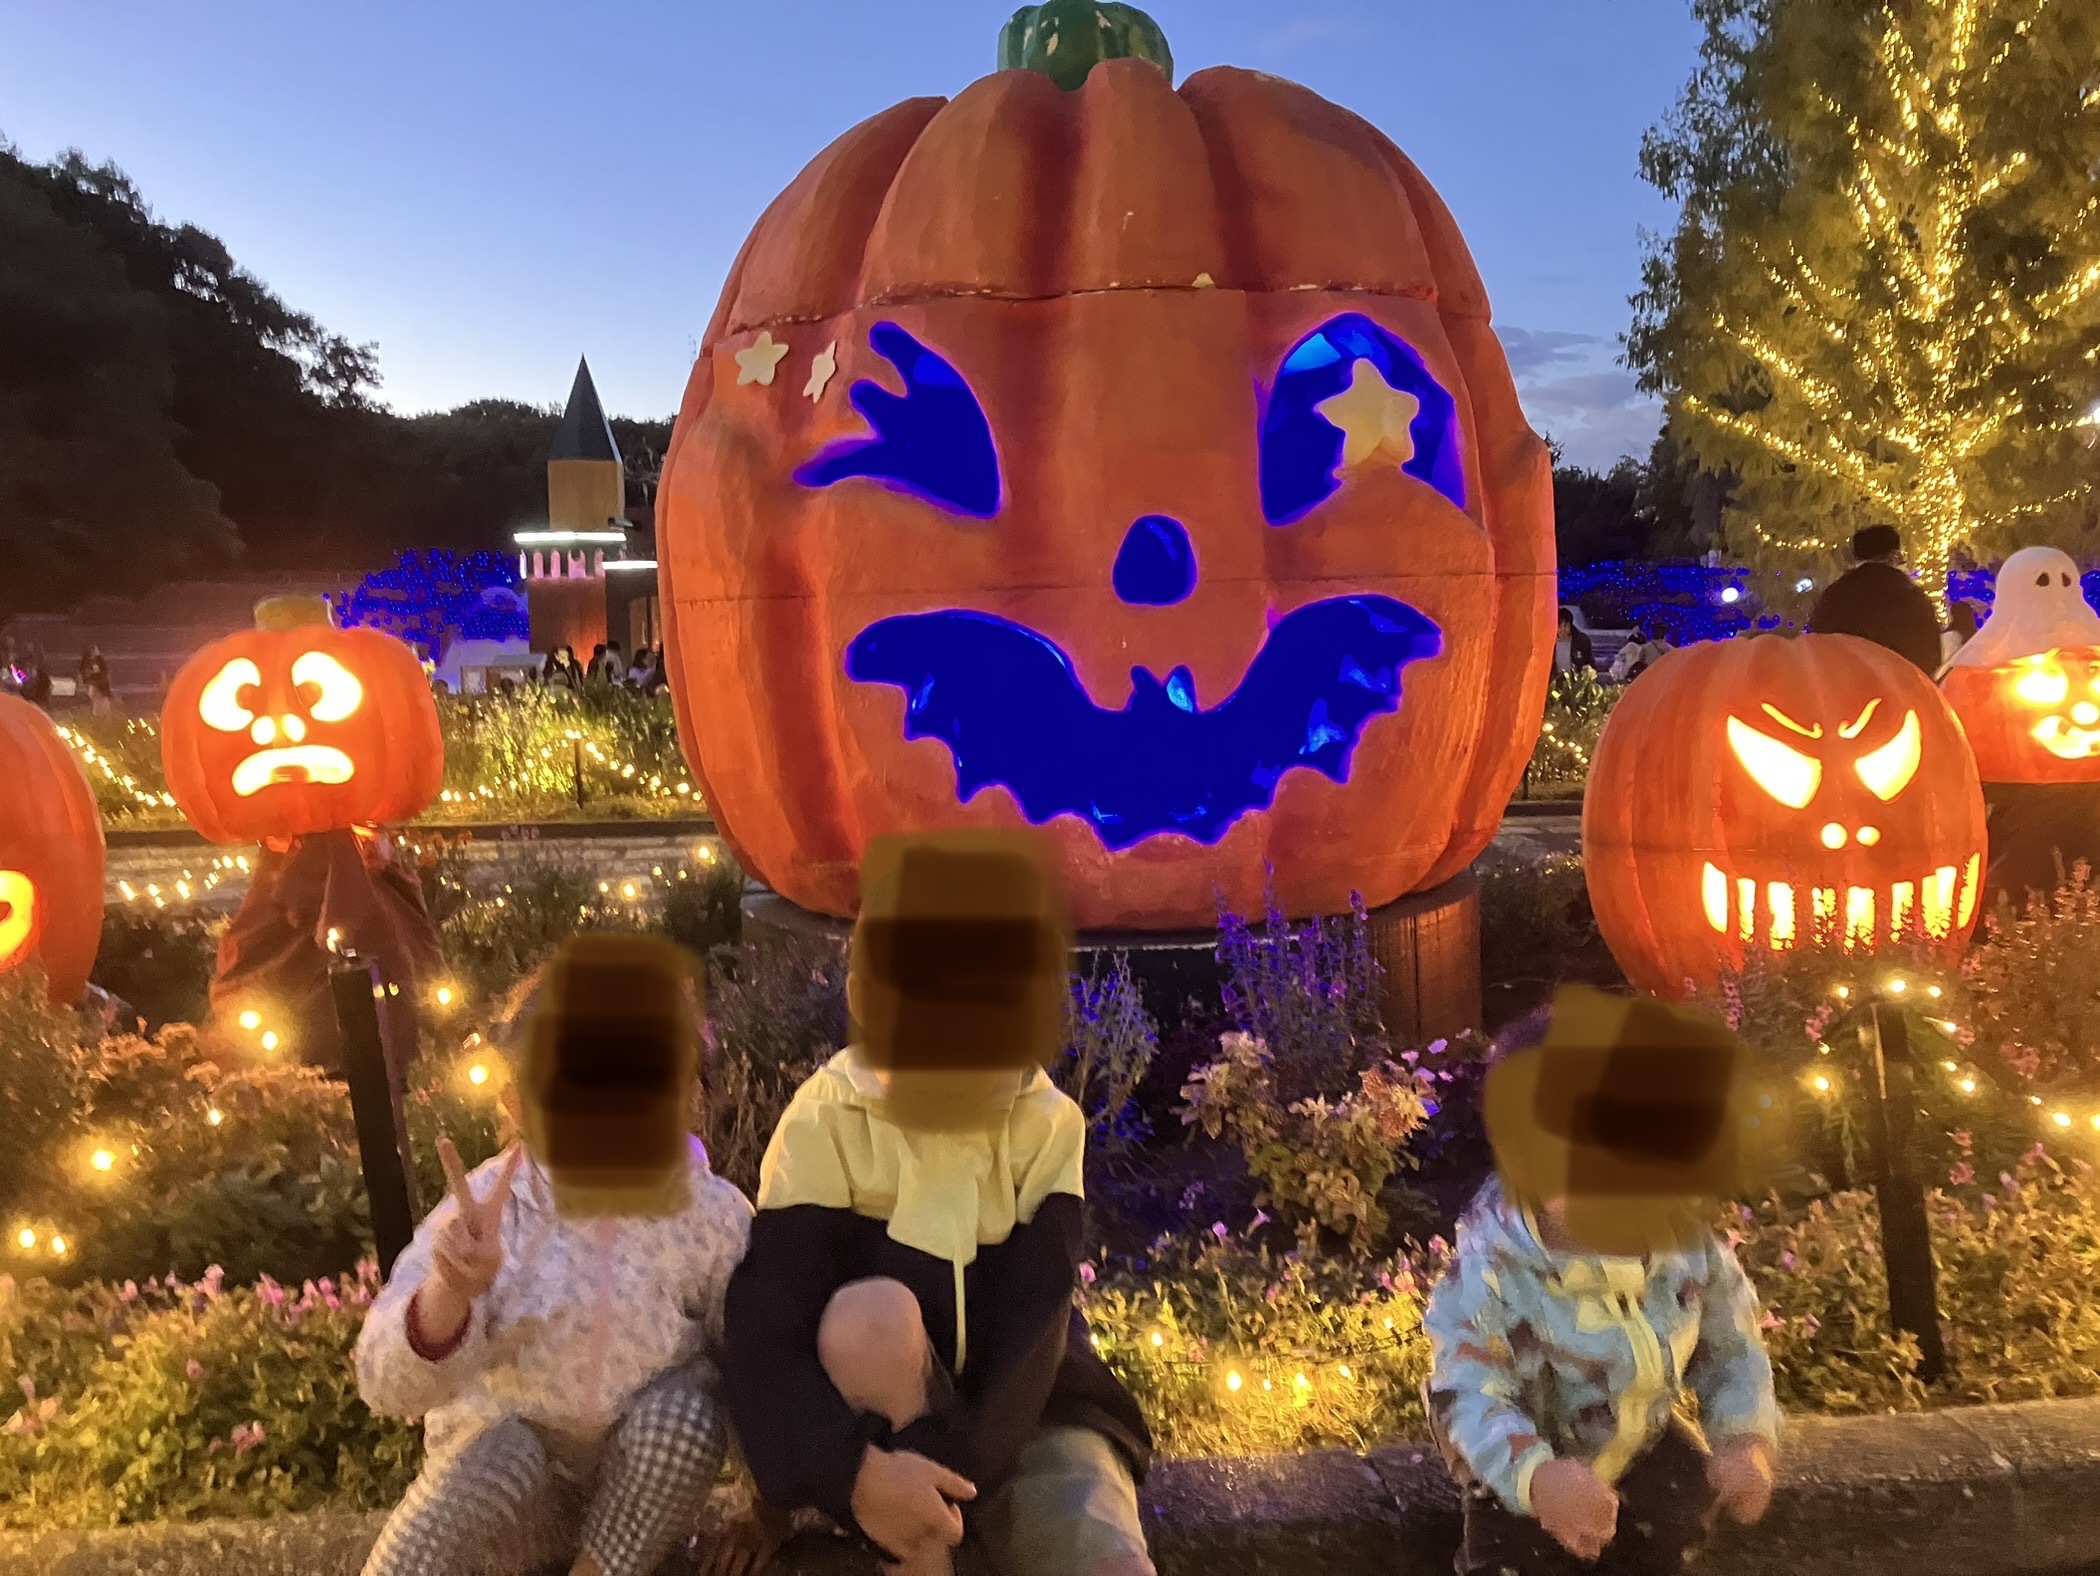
(931,441)
(1301,449)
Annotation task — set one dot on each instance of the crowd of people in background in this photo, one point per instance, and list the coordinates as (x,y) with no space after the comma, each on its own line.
(24,671)
(607,666)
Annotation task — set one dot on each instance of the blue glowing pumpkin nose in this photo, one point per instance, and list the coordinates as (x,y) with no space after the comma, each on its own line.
(1156,566)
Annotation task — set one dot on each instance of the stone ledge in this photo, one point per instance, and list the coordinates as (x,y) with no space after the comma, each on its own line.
(1980,1491)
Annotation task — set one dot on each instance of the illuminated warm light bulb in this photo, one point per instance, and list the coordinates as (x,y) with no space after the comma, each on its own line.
(2061,1119)
(1233,1380)
(102,1160)
(1302,1382)
(1951,1067)
(25,1238)
(58,1246)
(1822,1084)
(1968,1086)
(477,1074)
(215,1116)
(1345,1373)
(1844,993)
(251,1020)
(269,1039)
(1158,1339)
(1933,991)
(444,995)
(1898,987)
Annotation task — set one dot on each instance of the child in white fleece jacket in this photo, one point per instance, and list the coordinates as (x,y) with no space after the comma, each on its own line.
(564,1370)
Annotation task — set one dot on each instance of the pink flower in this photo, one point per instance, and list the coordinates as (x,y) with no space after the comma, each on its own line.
(1812,1324)
(1964,1140)
(1218,1230)
(214,1280)
(1086,1274)
(1771,1321)
(1962,1174)
(130,1292)
(1261,1219)
(246,1436)
(1787,1261)
(194,1369)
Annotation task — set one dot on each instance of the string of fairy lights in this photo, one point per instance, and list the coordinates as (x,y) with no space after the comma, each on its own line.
(1939,371)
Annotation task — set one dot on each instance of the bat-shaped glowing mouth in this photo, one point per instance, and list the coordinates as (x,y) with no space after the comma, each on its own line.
(1012,711)
(296,763)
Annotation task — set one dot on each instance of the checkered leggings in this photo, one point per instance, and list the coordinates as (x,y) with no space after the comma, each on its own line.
(499,1506)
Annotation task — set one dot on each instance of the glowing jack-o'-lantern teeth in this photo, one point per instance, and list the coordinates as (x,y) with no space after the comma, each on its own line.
(1770,793)
(300,727)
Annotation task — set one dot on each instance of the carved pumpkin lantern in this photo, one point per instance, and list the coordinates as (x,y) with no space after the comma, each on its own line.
(2027,686)
(298,727)
(51,854)
(1766,793)
(1110,457)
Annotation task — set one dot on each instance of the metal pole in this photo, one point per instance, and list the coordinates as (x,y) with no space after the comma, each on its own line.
(389,1181)
(1906,1232)
(576,763)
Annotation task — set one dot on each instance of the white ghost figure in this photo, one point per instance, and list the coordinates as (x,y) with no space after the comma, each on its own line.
(2039,606)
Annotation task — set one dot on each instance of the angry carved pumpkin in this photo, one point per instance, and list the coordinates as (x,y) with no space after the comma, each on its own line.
(1768,793)
(2035,719)
(51,854)
(1131,462)
(298,727)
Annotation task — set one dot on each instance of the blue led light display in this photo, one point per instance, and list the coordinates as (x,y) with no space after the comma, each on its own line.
(931,441)
(1011,709)
(435,597)
(1301,449)
(1156,566)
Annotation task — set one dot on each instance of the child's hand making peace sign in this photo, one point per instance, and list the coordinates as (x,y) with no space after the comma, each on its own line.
(468,1251)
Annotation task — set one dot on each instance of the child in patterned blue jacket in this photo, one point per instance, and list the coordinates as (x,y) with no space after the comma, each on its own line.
(1558,1386)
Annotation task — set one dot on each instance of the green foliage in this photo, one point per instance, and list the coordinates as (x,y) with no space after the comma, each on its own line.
(1311,992)
(181,1401)
(40,1056)
(2034,989)
(1577,707)
(1351,1332)
(1321,1162)
(520,756)
(159,961)
(1535,919)
(776,1012)
(1110,1041)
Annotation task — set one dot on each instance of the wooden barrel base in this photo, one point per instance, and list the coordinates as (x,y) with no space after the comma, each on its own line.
(1428,943)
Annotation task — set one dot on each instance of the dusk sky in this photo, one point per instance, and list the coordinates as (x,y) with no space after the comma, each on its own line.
(488,191)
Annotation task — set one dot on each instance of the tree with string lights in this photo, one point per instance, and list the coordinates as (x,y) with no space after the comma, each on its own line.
(1882,299)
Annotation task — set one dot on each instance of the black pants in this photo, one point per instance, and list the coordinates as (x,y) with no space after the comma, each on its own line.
(1665,1510)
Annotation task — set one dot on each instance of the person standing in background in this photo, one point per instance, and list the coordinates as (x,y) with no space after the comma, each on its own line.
(1963,619)
(94,682)
(1878,601)
(1572,651)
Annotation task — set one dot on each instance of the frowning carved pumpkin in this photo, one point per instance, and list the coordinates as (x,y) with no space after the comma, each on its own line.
(51,854)
(1766,793)
(1133,462)
(297,727)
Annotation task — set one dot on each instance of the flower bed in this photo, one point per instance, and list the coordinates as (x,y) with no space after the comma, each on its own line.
(1321,1164)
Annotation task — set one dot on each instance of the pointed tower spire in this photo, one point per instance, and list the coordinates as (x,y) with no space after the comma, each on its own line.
(586,483)
(585,433)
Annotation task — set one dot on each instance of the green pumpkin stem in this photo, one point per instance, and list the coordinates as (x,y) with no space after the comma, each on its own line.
(1066,39)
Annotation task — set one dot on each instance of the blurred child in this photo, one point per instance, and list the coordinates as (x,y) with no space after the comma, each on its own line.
(903,1344)
(561,1356)
(1559,1380)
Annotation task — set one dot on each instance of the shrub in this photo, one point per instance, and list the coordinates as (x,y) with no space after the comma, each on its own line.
(180,1401)
(2034,988)
(1110,1041)
(159,961)
(1535,920)
(1577,707)
(1321,1162)
(1310,993)
(1325,1352)
(776,1012)
(527,755)
(40,1054)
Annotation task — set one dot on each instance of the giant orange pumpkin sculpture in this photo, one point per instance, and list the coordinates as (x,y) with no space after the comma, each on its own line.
(298,727)
(1132,462)
(1765,793)
(51,854)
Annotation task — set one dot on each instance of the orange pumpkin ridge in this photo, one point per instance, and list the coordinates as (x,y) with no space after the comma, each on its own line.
(1117,273)
(1768,793)
(298,727)
(52,856)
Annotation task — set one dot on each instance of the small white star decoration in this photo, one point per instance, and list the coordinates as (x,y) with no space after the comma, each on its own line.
(758,363)
(1375,417)
(822,368)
